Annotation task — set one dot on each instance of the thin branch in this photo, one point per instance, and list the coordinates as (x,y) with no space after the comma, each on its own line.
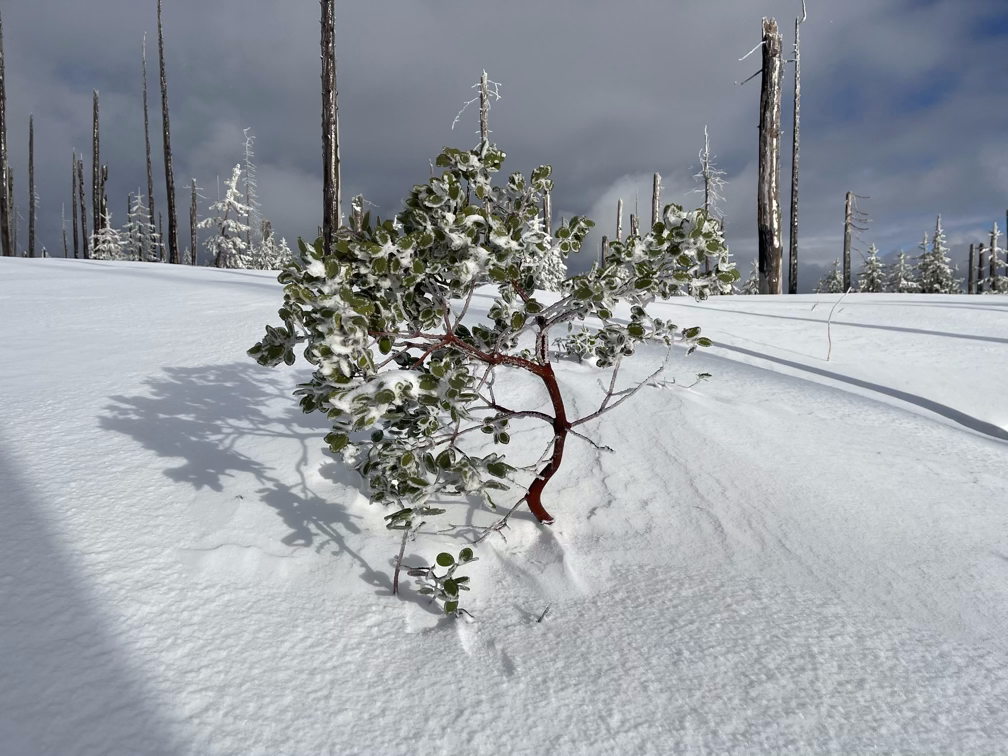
(740,83)
(751,51)
(830,318)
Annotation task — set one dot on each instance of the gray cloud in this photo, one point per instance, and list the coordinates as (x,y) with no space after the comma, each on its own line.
(902,101)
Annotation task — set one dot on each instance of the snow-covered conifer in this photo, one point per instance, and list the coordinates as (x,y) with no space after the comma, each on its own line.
(109,243)
(751,285)
(549,269)
(935,272)
(902,277)
(871,279)
(832,282)
(140,233)
(253,217)
(268,254)
(228,247)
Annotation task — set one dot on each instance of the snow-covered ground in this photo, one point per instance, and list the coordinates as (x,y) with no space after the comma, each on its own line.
(796,556)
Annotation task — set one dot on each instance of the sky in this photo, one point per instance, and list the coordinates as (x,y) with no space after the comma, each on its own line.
(902,102)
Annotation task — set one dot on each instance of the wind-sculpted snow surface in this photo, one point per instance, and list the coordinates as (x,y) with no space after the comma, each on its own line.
(794,556)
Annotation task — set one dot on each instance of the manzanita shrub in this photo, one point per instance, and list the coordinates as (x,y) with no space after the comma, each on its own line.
(406,380)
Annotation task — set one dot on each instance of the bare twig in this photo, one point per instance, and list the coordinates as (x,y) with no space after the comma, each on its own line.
(830,318)
(758,46)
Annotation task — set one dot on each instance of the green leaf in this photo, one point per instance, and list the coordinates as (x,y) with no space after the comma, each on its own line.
(337,441)
(385,345)
(497,469)
(451,607)
(451,587)
(445,559)
(704,342)
(464,556)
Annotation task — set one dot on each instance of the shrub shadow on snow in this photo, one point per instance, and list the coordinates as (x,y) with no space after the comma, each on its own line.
(219,420)
(68,686)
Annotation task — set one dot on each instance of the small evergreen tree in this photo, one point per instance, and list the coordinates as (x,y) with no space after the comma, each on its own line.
(140,232)
(832,282)
(902,277)
(268,254)
(871,279)
(228,247)
(996,261)
(404,381)
(109,243)
(935,272)
(751,285)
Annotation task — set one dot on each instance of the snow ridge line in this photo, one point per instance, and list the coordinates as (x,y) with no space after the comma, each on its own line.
(968,421)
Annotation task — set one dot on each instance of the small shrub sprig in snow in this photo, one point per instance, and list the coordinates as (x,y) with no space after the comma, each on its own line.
(409,388)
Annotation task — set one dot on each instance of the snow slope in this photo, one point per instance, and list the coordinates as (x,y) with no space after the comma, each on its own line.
(796,556)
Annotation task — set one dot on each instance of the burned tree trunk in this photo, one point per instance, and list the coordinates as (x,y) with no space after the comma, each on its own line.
(971,285)
(150,173)
(796,131)
(548,214)
(981,269)
(193,214)
(73,181)
(484,109)
(655,200)
(66,252)
(6,201)
(848,227)
(330,128)
(994,259)
(768,191)
(173,250)
(603,251)
(96,203)
(31,186)
(102,196)
(619,220)
(83,209)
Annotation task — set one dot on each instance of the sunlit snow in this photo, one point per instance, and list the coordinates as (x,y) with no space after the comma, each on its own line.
(794,556)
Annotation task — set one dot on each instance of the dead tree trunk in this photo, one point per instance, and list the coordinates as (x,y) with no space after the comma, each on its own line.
(982,270)
(31,186)
(484,109)
(603,251)
(6,201)
(971,285)
(619,220)
(96,215)
(548,214)
(768,192)
(103,197)
(848,226)
(173,250)
(73,181)
(655,200)
(330,128)
(66,252)
(150,173)
(994,259)
(193,215)
(796,132)
(83,209)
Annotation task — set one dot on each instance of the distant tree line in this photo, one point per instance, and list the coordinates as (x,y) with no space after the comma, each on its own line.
(239,236)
